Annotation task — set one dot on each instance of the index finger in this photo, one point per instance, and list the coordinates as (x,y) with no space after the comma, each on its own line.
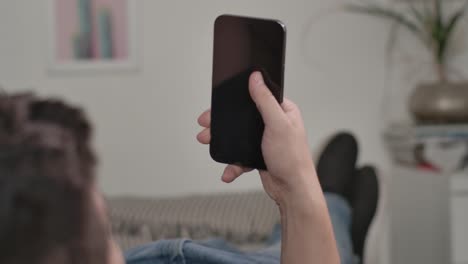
(205,119)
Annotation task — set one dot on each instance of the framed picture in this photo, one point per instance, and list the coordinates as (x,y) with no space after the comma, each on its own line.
(92,35)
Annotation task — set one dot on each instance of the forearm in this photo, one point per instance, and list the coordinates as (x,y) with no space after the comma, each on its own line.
(307,233)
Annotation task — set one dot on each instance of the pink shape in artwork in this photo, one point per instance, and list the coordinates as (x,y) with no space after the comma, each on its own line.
(68,26)
(66,21)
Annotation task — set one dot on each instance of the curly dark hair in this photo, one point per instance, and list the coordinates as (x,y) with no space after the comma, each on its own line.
(47,184)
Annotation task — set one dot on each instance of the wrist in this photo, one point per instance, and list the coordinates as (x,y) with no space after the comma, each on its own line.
(303,203)
(307,232)
(303,192)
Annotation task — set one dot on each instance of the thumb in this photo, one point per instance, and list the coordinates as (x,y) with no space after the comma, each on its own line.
(269,108)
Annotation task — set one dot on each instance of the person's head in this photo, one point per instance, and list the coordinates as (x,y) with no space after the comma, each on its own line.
(50,210)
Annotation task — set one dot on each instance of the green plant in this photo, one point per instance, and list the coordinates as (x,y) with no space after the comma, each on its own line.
(427,21)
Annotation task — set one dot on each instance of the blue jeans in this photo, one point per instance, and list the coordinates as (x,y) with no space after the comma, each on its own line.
(219,252)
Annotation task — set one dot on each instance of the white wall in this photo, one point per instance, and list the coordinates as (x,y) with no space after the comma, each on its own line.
(146,120)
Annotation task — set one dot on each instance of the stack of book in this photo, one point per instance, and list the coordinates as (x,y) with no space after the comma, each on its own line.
(441,148)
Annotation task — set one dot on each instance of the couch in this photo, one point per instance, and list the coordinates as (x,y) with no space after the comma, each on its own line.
(245,219)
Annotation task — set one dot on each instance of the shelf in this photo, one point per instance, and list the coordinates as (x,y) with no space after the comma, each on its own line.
(427,131)
(438,148)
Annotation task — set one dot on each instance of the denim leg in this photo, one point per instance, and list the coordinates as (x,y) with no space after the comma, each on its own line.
(340,214)
(159,252)
(207,252)
(275,236)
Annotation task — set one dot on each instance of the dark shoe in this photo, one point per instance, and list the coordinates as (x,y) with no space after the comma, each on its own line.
(364,200)
(336,165)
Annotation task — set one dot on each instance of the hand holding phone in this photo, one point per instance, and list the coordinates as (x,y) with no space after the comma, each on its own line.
(291,172)
(241,46)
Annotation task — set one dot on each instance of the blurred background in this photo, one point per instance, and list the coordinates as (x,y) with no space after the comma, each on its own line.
(142,71)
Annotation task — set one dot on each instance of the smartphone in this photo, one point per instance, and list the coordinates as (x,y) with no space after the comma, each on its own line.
(243,45)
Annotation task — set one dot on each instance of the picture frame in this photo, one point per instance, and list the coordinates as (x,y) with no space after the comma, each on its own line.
(92,35)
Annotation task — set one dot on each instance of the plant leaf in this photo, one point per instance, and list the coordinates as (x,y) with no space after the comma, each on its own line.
(378,11)
(436,30)
(418,14)
(450,27)
(438,8)
(453,21)
(424,21)
(438,19)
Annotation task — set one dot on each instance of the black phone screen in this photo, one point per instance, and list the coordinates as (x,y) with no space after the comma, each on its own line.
(241,46)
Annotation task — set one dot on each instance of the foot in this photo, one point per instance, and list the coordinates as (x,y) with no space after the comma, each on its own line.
(336,165)
(364,199)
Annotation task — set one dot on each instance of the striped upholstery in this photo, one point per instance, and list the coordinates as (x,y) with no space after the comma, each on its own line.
(241,218)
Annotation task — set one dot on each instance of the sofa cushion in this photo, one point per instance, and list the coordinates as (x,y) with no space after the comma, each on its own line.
(240,218)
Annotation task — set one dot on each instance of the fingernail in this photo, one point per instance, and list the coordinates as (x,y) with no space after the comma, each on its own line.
(258,78)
